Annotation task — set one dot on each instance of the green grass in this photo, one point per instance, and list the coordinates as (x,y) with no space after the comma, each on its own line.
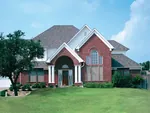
(79,100)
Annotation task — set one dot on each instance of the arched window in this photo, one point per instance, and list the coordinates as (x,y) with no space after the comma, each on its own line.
(65,66)
(94,57)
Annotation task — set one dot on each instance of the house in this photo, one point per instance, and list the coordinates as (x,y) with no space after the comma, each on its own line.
(74,56)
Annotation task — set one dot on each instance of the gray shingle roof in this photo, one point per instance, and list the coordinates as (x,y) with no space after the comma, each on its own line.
(56,35)
(41,64)
(120,60)
(118,46)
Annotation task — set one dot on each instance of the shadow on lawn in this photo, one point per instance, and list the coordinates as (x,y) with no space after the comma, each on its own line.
(55,91)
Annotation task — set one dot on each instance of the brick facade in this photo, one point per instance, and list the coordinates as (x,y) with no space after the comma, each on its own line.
(95,43)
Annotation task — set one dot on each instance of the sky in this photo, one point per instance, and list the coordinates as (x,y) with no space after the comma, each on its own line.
(126,21)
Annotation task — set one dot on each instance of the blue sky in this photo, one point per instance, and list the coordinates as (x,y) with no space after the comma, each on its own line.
(127,21)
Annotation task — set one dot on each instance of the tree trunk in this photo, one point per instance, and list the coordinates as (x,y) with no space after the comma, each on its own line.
(15,89)
(14,86)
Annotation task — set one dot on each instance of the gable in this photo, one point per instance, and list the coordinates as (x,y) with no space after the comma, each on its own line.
(84,31)
(64,52)
(64,45)
(94,43)
(95,32)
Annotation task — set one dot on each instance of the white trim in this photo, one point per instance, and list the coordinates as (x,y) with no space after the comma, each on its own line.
(79,73)
(76,74)
(49,74)
(94,31)
(64,45)
(53,74)
(118,52)
(85,26)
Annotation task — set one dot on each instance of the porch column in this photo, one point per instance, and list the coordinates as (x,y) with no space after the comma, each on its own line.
(79,73)
(76,73)
(49,74)
(53,74)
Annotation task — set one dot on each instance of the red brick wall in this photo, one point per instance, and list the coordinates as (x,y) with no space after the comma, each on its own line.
(24,78)
(65,52)
(46,76)
(95,43)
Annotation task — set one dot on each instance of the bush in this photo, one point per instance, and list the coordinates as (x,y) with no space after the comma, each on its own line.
(36,85)
(42,85)
(107,85)
(11,88)
(121,81)
(56,85)
(98,85)
(26,87)
(18,85)
(51,86)
(137,80)
(2,93)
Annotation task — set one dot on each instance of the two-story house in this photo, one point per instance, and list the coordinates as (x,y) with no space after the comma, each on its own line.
(74,56)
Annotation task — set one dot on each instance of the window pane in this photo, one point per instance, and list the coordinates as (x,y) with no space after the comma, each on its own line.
(40,78)
(100,60)
(87,60)
(32,78)
(94,57)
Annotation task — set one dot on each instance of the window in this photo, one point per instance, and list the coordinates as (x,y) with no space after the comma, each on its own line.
(65,66)
(36,75)
(94,57)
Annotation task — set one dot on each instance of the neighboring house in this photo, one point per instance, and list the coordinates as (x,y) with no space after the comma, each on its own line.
(73,56)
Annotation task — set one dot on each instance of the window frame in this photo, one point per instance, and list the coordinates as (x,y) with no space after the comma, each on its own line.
(94,55)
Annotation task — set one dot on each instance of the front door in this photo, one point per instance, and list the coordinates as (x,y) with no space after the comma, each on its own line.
(65,77)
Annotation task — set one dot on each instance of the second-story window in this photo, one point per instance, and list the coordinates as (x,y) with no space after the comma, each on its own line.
(94,57)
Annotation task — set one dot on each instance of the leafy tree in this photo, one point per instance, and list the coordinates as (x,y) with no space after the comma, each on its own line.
(16,55)
(145,65)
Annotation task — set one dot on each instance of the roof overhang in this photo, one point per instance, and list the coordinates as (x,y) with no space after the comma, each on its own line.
(64,45)
(100,36)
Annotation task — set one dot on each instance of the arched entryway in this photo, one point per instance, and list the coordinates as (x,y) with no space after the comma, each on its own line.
(64,67)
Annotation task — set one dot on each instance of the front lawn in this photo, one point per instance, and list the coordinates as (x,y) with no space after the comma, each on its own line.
(79,100)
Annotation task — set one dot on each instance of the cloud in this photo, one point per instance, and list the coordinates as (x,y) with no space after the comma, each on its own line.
(139,17)
(136,31)
(36,25)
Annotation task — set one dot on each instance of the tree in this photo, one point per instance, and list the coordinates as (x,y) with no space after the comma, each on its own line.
(16,55)
(145,65)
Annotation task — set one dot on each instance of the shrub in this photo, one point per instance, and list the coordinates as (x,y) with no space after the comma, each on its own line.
(98,85)
(121,81)
(137,80)
(42,85)
(26,87)
(11,88)
(36,85)
(18,85)
(107,85)
(2,93)
(51,86)
(56,85)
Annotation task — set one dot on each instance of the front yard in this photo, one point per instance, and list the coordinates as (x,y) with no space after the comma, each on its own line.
(79,100)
